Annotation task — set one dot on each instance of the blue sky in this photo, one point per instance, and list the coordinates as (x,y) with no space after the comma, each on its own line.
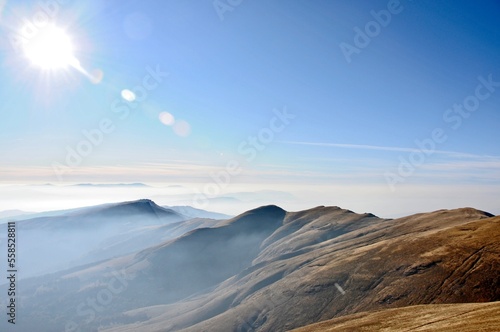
(353,119)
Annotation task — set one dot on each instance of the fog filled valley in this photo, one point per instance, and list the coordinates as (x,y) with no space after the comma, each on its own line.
(137,266)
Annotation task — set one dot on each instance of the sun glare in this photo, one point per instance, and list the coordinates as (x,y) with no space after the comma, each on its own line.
(51,48)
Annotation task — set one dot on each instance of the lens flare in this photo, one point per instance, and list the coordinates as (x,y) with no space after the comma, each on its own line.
(128,95)
(166,118)
(182,128)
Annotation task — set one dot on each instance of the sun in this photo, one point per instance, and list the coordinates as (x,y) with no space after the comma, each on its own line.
(51,48)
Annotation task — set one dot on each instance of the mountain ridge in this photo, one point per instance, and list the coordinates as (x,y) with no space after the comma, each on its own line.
(272,270)
(257,286)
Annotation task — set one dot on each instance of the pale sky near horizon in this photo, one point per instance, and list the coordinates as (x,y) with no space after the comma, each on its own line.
(390,107)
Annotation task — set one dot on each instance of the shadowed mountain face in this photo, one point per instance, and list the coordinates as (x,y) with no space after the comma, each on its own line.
(126,215)
(206,256)
(85,235)
(129,214)
(269,270)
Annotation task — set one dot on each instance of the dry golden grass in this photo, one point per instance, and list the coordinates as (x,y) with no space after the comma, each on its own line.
(465,317)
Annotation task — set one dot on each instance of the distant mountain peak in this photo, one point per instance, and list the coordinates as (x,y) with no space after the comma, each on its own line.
(269,216)
(267,209)
(146,203)
(142,201)
(130,208)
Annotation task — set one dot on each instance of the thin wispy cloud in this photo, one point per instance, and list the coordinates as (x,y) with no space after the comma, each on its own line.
(386,148)
(478,165)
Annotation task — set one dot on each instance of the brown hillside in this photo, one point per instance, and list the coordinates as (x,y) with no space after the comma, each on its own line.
(467,317)
(328,262)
